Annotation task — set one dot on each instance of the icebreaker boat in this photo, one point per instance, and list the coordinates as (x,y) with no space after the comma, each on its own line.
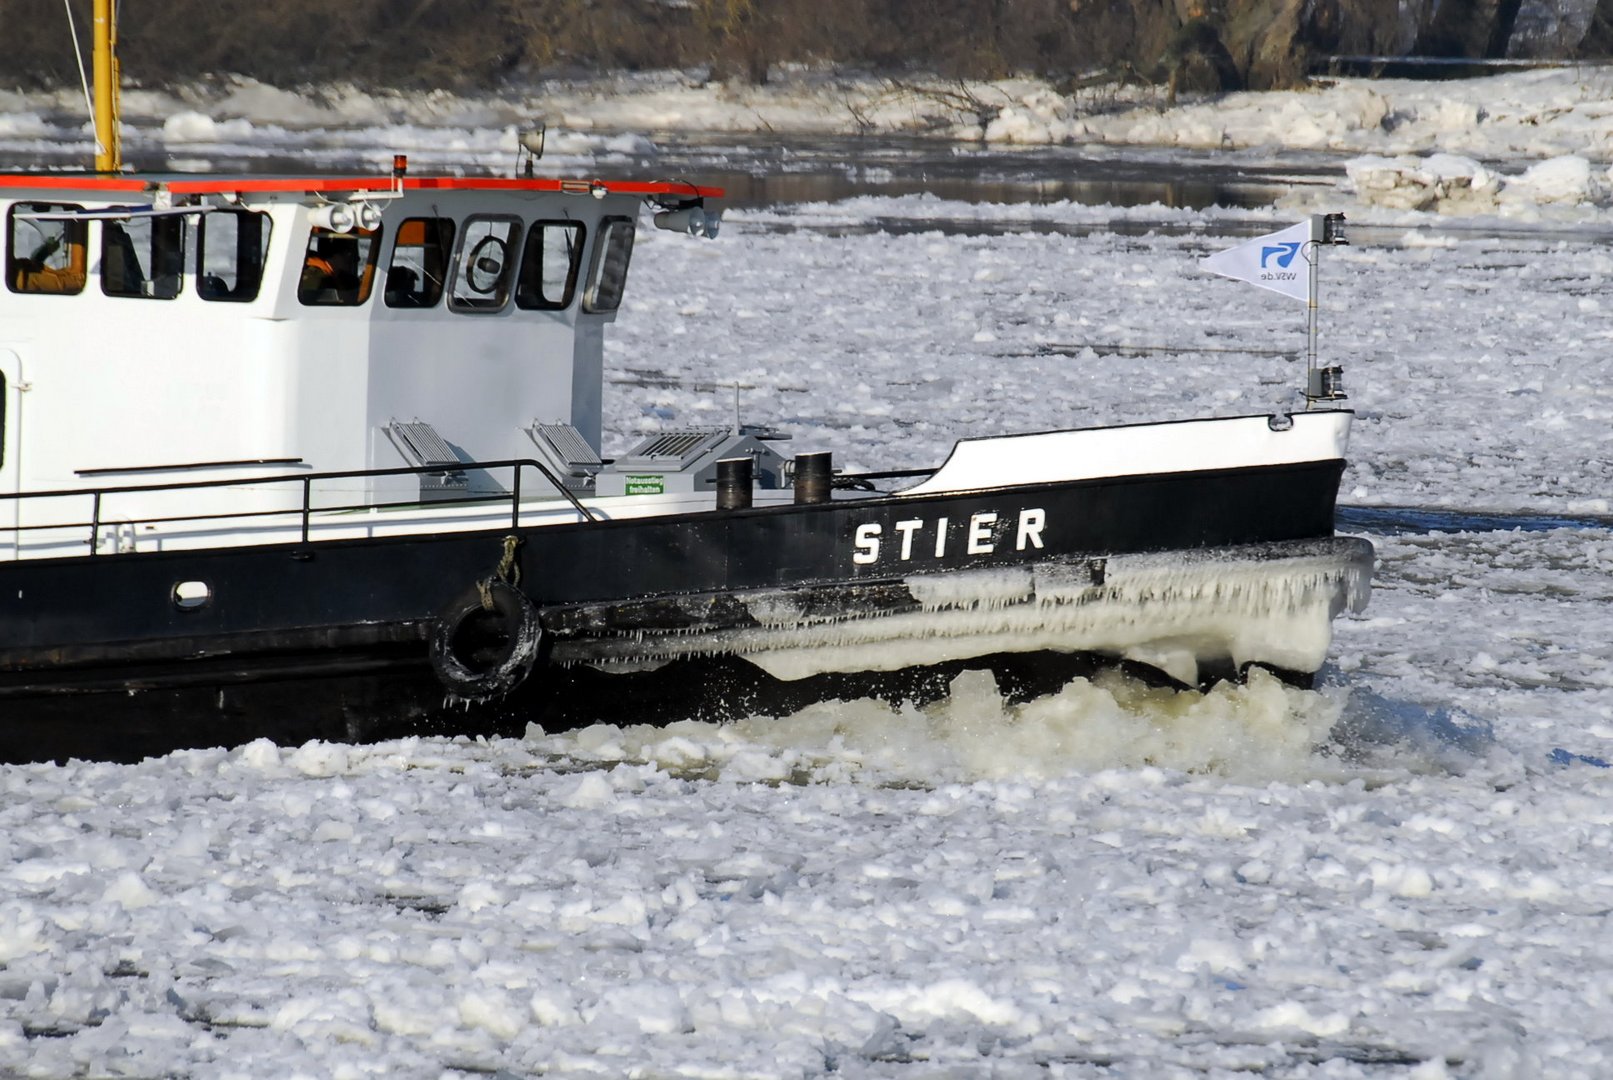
(321,457)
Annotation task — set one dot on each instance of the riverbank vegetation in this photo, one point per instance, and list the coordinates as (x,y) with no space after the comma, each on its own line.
(1205,44)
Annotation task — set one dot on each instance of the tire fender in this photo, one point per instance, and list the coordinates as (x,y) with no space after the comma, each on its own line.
(480,653)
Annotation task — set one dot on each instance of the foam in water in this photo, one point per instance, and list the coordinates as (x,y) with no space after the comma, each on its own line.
(1256,731)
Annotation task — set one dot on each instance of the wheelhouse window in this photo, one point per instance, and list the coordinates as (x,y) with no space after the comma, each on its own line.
(231,246)
(607,274)
(481,278)
(338,269)
(419,269)
(143,256)
(549,265)
(44,253)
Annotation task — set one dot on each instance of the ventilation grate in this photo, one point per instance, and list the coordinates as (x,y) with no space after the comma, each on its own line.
(567,444)
(419,440)
(677,448)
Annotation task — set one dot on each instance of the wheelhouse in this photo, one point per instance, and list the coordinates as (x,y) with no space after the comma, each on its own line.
(176,327)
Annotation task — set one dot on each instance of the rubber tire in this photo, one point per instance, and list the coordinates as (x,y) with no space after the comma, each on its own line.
(479,654)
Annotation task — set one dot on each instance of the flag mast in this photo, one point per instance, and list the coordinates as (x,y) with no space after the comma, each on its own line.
(1270,262)
(1321,384)
(1312,306)
(108,142)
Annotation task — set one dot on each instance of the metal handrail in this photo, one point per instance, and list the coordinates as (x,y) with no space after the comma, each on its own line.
(305,511)
(98,496)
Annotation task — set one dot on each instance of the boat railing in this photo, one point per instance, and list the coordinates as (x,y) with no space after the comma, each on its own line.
(99,497)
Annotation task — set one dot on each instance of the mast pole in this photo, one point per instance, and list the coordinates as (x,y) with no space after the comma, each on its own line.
(1321,384)
(108,143)
(1312,257)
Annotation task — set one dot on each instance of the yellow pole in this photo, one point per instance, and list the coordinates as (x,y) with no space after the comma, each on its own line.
(108,144)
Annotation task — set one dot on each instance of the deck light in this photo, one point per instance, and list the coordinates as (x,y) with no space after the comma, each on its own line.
(400,165)
(530,145)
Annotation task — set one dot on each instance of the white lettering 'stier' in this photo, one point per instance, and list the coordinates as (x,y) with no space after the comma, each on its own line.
(981,535)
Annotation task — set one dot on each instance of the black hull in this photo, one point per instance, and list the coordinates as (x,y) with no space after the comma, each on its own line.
(408,701)
(329,640)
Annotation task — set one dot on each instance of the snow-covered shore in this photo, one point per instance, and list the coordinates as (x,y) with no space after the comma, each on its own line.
(1506,144)
(1528,114)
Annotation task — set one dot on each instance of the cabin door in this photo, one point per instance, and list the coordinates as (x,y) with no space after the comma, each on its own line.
(11,395)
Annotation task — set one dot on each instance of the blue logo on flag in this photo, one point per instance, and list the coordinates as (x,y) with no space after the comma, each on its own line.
(1284,254)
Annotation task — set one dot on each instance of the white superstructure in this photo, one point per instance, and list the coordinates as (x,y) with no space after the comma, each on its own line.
(174,330)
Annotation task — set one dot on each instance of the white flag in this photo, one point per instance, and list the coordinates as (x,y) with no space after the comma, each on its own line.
(1275,261)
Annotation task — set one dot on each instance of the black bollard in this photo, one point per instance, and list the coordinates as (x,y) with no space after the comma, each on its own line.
(814,478)
(734,483)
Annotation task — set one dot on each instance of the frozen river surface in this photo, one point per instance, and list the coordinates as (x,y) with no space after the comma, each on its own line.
(1404,873)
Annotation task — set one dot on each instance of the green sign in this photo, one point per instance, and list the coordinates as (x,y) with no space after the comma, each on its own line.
(646,485)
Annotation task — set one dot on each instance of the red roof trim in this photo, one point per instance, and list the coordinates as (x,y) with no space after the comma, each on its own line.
(269,185)
(66,181)
(272,184)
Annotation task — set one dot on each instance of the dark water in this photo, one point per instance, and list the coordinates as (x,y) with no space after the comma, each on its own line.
(764,173)
(766,170)
(1418,520)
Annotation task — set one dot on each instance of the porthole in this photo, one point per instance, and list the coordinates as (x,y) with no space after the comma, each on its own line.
(190,595)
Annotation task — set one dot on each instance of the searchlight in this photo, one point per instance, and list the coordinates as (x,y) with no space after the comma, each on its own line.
(693,219)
